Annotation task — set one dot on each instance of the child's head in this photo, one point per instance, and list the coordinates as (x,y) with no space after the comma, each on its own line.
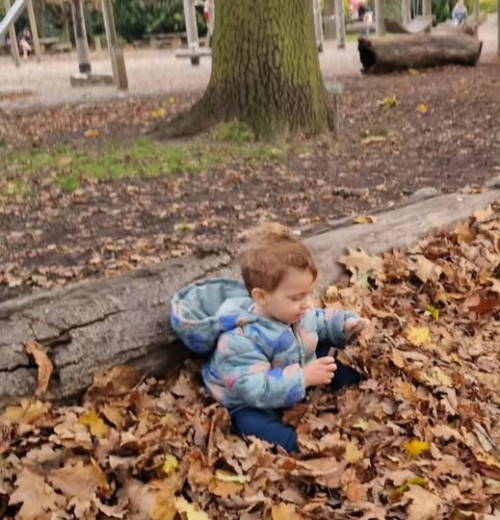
(279,272)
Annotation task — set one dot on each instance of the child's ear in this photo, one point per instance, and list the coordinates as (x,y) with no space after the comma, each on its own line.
(259,296)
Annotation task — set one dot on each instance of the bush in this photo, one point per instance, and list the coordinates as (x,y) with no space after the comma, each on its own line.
(135,18)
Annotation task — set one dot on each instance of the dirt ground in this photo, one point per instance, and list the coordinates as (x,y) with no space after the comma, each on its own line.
(401,132)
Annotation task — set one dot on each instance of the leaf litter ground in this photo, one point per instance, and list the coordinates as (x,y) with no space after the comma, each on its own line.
(74,206)
(417,440)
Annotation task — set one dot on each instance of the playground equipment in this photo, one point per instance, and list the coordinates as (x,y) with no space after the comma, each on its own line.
(194,51)
(7,24)
(85,76)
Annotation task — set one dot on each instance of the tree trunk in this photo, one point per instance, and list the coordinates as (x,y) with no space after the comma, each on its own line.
(417,52)
(265,72)
(125,319)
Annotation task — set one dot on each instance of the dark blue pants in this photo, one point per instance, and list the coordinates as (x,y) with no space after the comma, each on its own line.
(267,424)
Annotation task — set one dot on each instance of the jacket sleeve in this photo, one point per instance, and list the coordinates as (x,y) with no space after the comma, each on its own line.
(331,326)
(249,375)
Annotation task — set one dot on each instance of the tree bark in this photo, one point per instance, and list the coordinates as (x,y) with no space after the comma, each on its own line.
(265,72)
(417,52)
(125,319)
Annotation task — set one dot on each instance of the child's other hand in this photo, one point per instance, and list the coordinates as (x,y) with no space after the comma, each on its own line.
(358,328)
(319,372)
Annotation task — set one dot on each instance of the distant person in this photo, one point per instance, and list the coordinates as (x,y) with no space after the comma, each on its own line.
(25,43)
(459,13)
(365,16)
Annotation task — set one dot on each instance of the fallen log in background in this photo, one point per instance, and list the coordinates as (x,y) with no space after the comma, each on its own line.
(125,318)
(379,56)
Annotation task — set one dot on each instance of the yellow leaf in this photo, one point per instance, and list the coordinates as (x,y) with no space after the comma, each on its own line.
(94,423)
(435,376)
(190,511)
(226,476)
(164,507)
(158,114)
(422,108)
(415,447)
(362,424)
(389,101)
(170,464)
(364,219)
(352,453)
(412,72)
(433,312)
(414,481)
(172,100)
(93,132)
(418,335)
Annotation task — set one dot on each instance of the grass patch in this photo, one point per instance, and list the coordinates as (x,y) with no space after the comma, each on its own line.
(233,132)
(21,171)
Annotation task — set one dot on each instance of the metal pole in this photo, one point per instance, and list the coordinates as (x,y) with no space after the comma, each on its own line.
(115,51)
(34,31)
(82,46)
(379,18)
(427,8)
(405,11)
(498,27)
(14,49)
(330,17)
(191,30)
(340,23)
(318,25)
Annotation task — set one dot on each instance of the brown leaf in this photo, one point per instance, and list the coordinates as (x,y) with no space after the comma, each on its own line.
(79,480)
(284,512)
(113,382)
(45,366)
(425,505)
(36,496)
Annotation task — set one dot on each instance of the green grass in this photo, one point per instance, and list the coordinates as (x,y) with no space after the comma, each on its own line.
(488,6)
(22,171)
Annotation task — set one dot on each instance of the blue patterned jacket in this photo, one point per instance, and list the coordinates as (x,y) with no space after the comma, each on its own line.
(254,361)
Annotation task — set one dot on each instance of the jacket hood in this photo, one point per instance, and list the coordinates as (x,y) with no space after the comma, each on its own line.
(202,311)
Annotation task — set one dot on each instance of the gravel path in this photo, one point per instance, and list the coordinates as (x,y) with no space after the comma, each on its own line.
(150,72)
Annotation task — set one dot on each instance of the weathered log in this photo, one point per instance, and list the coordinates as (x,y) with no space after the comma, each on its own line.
(125,319)
(417,52)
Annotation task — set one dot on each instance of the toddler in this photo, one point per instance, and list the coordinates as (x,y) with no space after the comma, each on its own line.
(265,338)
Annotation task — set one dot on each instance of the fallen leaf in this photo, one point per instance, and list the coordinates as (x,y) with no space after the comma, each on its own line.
(170,465)
(45,366)
(425,505)
(415,447)
(418,335)
(95,424)
(424,268)
(358,261)
(284,512)
(422,108)
(191,512)
(364,219)
(93,133)
(27,412)
(352,453)
(37,497)
(225,476)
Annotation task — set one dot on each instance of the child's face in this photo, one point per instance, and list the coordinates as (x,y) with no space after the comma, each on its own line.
(291,299)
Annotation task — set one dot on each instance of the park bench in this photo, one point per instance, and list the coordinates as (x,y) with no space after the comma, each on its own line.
(160,40)
(62,47)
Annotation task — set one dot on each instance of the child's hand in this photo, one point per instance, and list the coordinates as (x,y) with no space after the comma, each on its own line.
(319,372)
(358,328)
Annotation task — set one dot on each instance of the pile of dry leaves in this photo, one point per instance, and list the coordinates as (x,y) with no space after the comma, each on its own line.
(418,440)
